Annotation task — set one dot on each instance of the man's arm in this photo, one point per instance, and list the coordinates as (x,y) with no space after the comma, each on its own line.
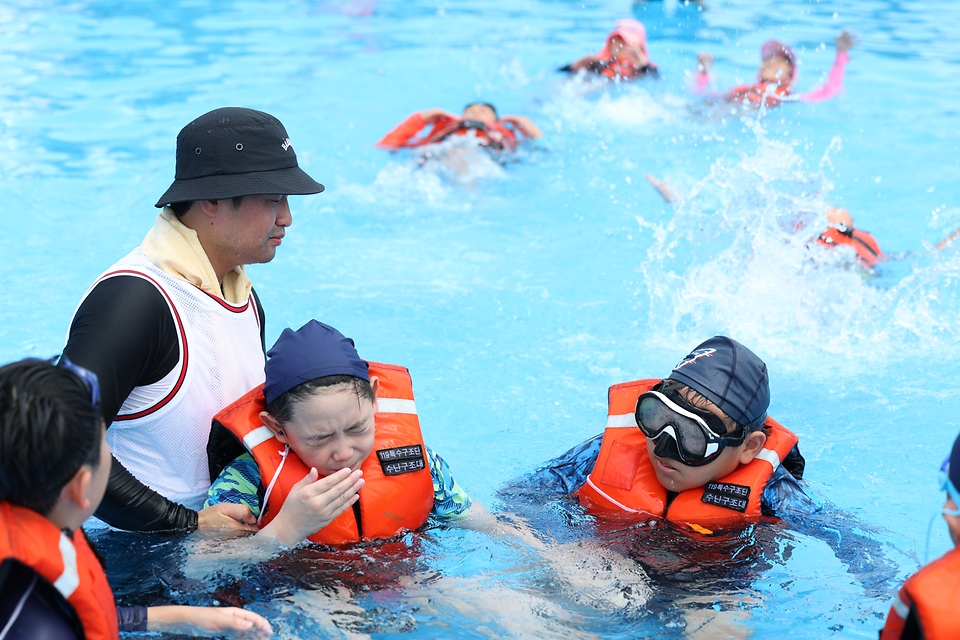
(124,333)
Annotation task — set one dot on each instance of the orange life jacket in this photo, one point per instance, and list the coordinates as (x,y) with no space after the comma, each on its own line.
(493,135)
(397,495)
(868,251)
(625,69)
(933,593)
(623,478)
(767,92)
(68,563)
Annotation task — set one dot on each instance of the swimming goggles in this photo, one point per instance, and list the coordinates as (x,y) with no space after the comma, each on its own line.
(946,485)
(683,432)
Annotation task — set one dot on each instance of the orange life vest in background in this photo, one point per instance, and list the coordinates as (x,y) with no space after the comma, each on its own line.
(493,135)
(866,246)
(397,495)
(69,564)
(625,69)
(933,593)
(623,479)
(767,92)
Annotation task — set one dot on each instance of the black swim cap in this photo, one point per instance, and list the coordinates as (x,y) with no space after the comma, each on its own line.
(729,375)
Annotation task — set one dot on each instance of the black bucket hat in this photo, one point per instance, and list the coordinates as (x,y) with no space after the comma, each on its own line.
(232,152)
(730,376)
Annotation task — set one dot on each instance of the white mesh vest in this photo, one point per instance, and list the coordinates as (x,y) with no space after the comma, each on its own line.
(161,430)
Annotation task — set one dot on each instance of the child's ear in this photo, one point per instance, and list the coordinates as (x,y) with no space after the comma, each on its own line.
(274,425)
(375,385)
(752,445)
(74,493)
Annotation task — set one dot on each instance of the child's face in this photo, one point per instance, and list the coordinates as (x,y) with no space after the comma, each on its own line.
(953,522)
(618,47)
(332,430)
(776,69)
(676,476)
(480,113)
(99,476)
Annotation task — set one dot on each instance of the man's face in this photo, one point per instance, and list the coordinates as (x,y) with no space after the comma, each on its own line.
(253,231)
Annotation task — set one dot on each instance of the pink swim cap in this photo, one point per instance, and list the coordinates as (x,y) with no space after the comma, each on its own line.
(632,32)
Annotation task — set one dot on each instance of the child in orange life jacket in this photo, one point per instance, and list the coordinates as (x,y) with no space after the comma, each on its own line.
(928,602)
(777,76)
(55,463)
(323,412)
(496,133)
(623,57)
(841,232)
(696,448)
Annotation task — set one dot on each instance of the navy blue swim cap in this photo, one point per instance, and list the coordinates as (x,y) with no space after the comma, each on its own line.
(729,375)
(315,350)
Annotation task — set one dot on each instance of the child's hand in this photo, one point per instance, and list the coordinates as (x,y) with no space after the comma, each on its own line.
(190,619)
(227,515)
(845,41)
(704,62)
(313,504)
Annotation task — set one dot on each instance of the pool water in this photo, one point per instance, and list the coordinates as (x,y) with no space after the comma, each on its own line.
(517,293)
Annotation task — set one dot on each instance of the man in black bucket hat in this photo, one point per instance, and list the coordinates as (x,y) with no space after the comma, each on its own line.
(174,330)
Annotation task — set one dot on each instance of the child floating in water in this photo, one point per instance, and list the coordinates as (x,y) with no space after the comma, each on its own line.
(695,448)
(841,233)
(928,602)
(623,57)
(777,76)
(335,449)
(479,119)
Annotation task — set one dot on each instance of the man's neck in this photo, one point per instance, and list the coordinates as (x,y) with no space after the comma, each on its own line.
(192,220)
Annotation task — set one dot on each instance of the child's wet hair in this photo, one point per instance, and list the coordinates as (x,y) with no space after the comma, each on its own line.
(282,408)
(49,429)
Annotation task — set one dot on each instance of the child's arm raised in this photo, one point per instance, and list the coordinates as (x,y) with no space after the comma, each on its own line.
(834,83)
(524,125)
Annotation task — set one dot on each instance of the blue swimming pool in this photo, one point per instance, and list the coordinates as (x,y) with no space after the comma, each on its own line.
(517,294)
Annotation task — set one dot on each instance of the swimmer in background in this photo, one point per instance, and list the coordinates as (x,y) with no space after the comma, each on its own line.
(927,603)
(841,233)
(777,76)
(624,55)
(479,119)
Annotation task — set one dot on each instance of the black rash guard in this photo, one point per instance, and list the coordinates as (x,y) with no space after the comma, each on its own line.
(124,333)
